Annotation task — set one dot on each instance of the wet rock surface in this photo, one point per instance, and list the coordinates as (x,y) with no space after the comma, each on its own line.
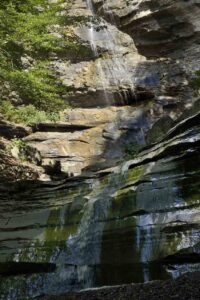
(109,78)
(138,223)
(186,287)
(120,71)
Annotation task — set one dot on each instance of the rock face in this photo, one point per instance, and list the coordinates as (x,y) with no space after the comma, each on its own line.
(88,136)
(122,70)
(108,78)
(141,50)
(154,59)
(134,222)
(11,131)
(137,224)
(160,29)
(11,168)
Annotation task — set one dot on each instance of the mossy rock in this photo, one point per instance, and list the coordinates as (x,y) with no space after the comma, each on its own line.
(159,129)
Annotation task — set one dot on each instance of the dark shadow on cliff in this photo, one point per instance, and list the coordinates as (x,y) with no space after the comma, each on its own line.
(165,29)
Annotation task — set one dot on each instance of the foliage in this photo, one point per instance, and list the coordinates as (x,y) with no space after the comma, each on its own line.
(38,87)
(20,144)
(28,115)
(34,29)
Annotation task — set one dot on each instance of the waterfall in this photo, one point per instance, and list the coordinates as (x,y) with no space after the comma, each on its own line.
(92,29)
(112,66)
(76,263)
(94,47)
(123,68)
(84,247)
(145,245)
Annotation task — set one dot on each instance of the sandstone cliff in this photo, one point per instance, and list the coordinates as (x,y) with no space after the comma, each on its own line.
(139,53)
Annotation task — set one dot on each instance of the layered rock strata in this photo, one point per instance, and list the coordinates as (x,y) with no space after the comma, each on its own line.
(140,222)
(87,137)
(160,30)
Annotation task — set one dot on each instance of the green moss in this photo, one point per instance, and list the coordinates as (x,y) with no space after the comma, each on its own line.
(134,174)
(56,232)
(124,199)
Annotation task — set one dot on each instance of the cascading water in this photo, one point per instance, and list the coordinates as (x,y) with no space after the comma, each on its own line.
(94,47)
(122,68)
(111,69)
(77,261)
(92,29)
(126,76)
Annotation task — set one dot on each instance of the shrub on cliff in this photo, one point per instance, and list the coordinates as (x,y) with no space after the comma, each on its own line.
(37,87)
(32,34)
(28,114)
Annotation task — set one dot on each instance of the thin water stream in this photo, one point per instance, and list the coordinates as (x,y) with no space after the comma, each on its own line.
(111,69)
